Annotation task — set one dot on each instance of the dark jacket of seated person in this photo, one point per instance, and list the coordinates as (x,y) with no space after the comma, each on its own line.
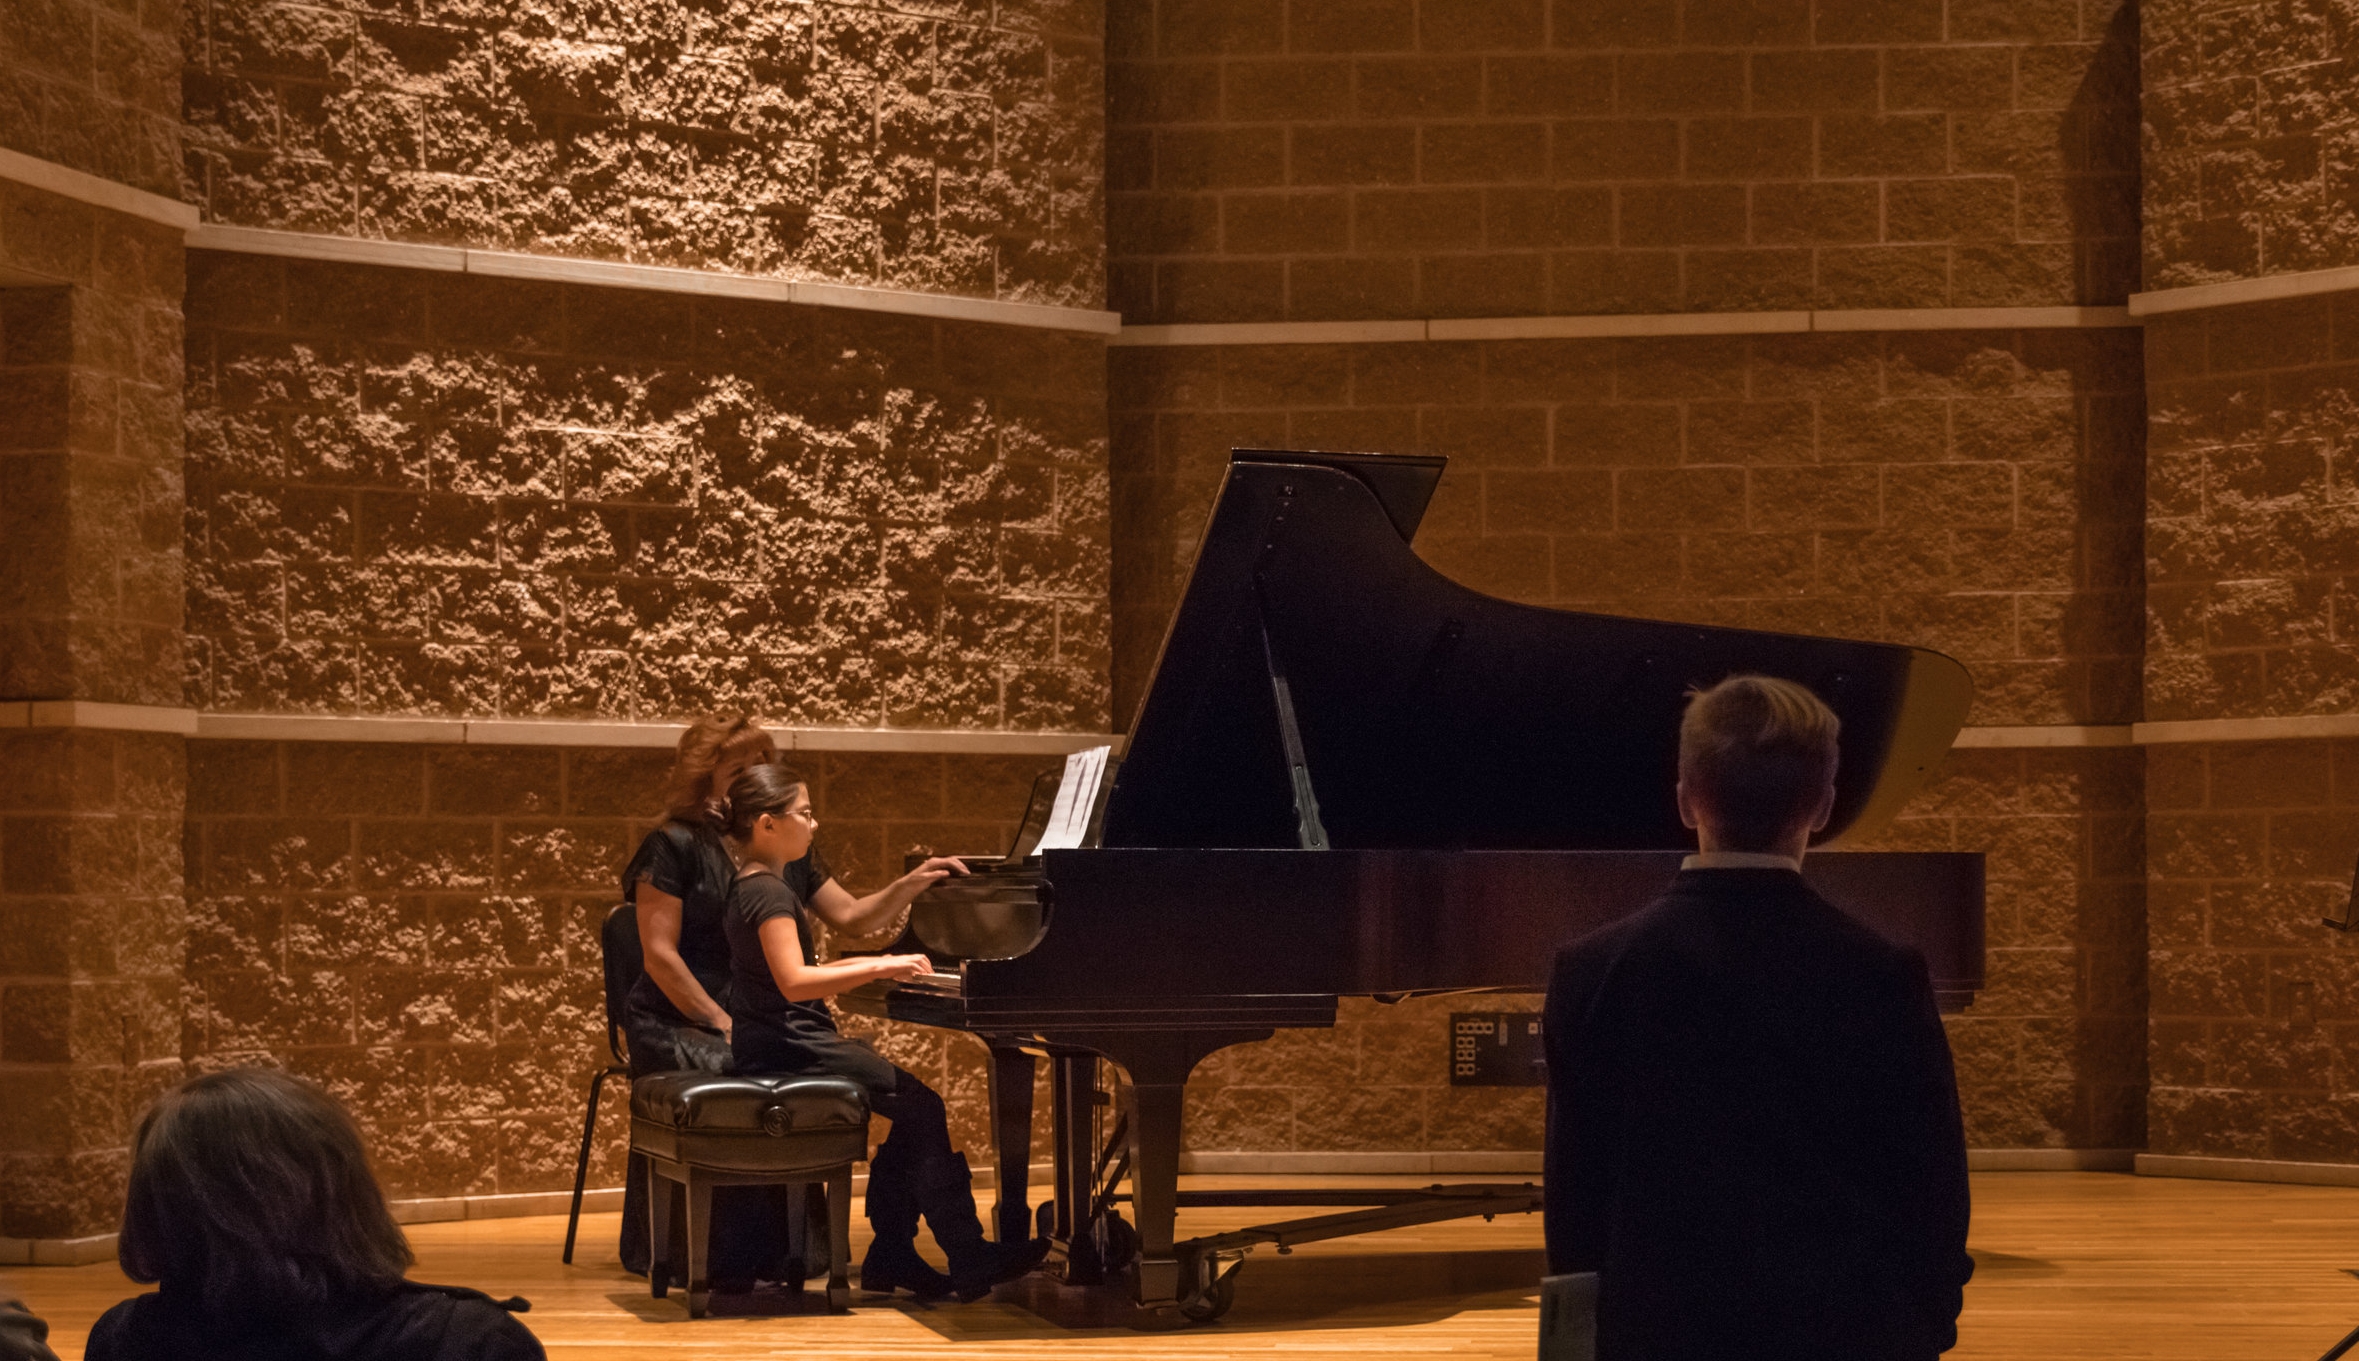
(251,1206)
(1753,1127)
(23,1336)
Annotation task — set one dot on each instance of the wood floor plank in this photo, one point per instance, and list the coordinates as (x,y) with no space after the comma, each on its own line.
(2071,1267)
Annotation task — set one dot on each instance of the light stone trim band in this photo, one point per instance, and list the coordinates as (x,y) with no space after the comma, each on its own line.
(2051,1159)
(479,732)
(2238,292)
(594,733)
(1527,1162)
(571,732)
(2291,727)
(98,1247)
(1633,325)
(1476,1162)
(97,191)
(2248,1169)
(655,278)
(82,713)
(2049,735)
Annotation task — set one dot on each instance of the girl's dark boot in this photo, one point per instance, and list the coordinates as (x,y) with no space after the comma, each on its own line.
(946,1193)
(892,1262)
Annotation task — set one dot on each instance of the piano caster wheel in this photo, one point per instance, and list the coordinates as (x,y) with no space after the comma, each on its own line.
(1117,1243)
(1213,1301)
(1044,1220)
(839,1299)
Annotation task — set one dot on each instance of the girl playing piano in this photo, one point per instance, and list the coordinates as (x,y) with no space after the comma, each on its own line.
(781,1024)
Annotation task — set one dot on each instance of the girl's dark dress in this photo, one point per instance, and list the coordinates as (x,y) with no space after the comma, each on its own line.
(770,1034)
(690,864)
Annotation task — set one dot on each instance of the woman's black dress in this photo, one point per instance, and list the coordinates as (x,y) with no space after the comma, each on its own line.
(691,864)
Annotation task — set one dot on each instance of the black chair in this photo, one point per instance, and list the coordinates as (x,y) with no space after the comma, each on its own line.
(618,942)
(702,1130)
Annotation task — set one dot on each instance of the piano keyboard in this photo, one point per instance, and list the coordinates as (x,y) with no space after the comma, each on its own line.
(939,984)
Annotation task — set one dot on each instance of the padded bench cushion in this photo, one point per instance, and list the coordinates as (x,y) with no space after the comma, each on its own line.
(712,1103)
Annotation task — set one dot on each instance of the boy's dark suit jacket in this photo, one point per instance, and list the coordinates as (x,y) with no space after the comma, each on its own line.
(1753,1131)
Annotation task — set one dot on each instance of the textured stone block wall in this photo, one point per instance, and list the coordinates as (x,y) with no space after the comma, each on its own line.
(946,147)
(91,923)
(95,85)
(2252,528)
(416,493)
(2252,546)
(2249,845)
(90,454)
(1409,158)
(2251,153)
(1974,492)
(417,928)
(90,609)
(2053,1051)
(1379,1082)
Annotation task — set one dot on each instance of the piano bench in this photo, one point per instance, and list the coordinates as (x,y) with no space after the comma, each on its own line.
(702,1130)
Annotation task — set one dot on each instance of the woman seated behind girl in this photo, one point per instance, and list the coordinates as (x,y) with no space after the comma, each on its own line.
(781,1024)
(252,1206)
(677,1017)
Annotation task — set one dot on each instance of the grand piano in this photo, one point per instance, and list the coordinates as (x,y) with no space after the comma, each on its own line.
(1353,777)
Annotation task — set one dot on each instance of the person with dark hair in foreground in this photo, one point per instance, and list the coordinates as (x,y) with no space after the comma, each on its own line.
(777,995)
(1753,1127)
(252,1207)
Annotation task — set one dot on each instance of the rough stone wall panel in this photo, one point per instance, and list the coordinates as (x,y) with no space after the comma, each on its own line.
(413,494)
(95,86)
(951,148)
(417,929)
(1378,1082)
(1974,492)
(2250,144)
(90,454)
(2252,533)
(2052,1052)
(91,917)
(1345,162)
(2250,846)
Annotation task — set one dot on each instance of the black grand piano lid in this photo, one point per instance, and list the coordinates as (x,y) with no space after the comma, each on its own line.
(1433,716)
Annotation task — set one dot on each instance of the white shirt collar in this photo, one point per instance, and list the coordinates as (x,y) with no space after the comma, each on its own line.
(1741,860)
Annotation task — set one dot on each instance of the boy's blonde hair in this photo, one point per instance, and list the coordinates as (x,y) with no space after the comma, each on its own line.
(1756,752)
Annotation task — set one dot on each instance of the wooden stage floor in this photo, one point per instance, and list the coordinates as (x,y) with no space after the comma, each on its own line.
(2071,1266)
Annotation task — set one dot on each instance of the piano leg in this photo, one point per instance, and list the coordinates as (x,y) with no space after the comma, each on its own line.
(1155,1118)
(1073,1095)
(1011,1140)
(1158,1064)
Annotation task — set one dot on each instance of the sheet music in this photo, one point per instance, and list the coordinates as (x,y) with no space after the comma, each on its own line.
(1077,797)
